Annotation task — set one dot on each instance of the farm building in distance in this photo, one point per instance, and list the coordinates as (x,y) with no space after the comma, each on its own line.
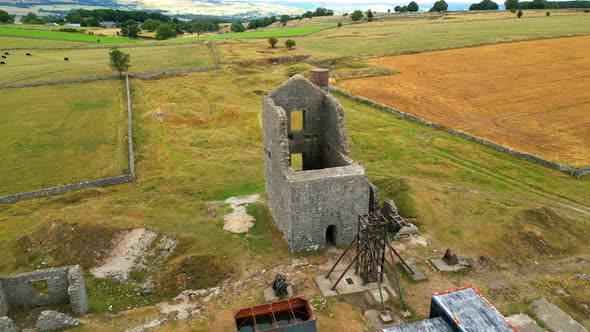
(314,191)
(459,310)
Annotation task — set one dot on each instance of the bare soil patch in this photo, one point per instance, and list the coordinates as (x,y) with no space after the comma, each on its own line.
(63,243)
(530,96)
(193,272)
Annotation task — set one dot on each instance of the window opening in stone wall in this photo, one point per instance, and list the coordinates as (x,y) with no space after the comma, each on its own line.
(297,161)
(297,120)
(268,153)
(331,236)
(41,287)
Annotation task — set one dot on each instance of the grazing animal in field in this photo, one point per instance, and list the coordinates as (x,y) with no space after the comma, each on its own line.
(4,57)
(6,53)
(66,59)
(2,63)
(28,54)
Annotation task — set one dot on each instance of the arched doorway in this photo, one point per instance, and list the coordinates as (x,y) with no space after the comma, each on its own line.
(331,236)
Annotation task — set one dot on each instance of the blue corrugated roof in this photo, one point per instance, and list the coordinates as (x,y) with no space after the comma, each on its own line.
(470,311)
(429,325)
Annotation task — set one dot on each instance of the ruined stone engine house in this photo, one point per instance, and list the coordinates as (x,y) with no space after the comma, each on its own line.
(314,191)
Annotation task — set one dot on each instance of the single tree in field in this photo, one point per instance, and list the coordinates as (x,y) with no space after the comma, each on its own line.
(547,13)
(369,15)
(519,14)
(285,19)
(397,9)
(165,31)
(133,31)
(413,7)
(150,24)
(357,15)
(119,61)
(290,43)
(511,5)
(237,27)
(273,41)
(439,6)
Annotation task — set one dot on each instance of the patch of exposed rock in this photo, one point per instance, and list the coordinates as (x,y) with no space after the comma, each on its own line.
(135,250)
(7,325)
(53,321)
(238,221)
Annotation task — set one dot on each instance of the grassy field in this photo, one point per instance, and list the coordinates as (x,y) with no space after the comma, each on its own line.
(47,64)
(13,42)
(11,30)
(61,134)
(281,32)
(481,103)
(198,139)
(400,35)
(197,142)
(384,37)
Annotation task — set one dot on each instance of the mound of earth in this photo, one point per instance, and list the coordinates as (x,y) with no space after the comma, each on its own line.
(62,243)
(193,272)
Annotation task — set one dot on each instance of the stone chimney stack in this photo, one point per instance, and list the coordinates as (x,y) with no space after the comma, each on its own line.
(320,77)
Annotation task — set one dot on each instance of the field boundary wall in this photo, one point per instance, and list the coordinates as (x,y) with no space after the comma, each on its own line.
(144,75)
(109,181)
(577,172)
(215,57)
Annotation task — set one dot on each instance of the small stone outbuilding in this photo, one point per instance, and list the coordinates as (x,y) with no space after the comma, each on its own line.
(42,287)
(314,191)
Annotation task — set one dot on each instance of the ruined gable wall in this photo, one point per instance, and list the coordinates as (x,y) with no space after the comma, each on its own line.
(276,161)
(336,135)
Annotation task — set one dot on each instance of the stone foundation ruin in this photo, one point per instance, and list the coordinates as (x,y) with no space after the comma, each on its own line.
(314,191)
(42,287)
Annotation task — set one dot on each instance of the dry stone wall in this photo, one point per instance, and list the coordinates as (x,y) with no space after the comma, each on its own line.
(53,82)
(120,179)
(567,169)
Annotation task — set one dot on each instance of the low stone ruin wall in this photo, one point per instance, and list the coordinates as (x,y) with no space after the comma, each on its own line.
(215,57)
(153,74)
(567,169)
(60,285)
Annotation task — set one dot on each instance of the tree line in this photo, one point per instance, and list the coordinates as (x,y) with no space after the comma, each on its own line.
(95,16)
(268,20)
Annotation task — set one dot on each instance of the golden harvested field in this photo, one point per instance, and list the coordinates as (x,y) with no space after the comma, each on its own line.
(531,96)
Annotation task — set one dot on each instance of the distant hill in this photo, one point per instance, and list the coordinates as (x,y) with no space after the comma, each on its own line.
(186,9)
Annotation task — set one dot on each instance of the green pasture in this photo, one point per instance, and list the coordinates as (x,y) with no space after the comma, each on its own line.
(43,32)
(48,64)
(11,30)
(281,32)
(387,37)
(199,139)
(59,134)
(22,42)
